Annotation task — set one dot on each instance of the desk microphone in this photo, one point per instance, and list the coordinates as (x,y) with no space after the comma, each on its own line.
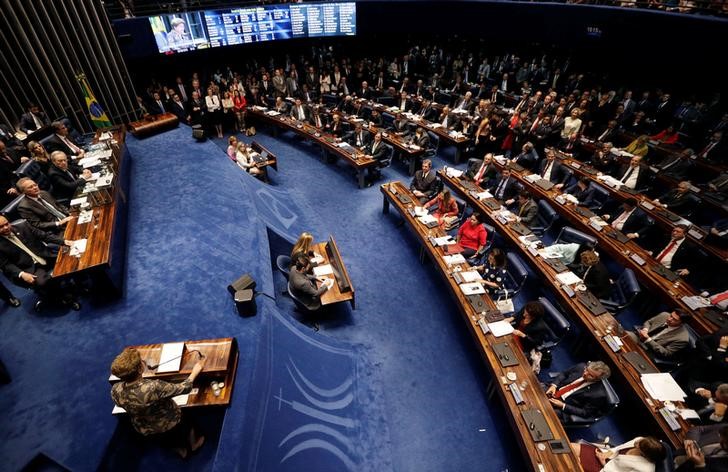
(154,366)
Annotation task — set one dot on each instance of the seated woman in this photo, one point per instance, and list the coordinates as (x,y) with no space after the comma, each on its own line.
(303,246)
(445,206)
(666,136)
(245,161)
(232,147)
(150,406)
(530,328)
(472,236)
(495,275)
(594,274)
(637,455)
(40,155)
(638,147)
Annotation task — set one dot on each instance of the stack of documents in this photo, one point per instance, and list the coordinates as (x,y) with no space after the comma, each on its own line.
(322,270)
(472,288)
(500,328)
(568,278)
(453,259)
(424,219)
(453,172)
(444,241)
(170,358)
(663,387)
(78,247)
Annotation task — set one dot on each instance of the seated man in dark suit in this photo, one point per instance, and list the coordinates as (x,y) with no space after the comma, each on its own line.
(424,184)
(157,106)
(579,392)
(447,120)
(9,161)
(528,156)
(61,141)
(634,175)
(399,125)
(676,166)
(336,127)
(582,191)
(65,182)
(34,119)
(376,150)
(664,335)
(710,400)
(678,199)
(300,112)
(482,171)
(359,137)
(594,273)
(527,209)
(676,252)
(28,262)
(631,220)
(303,285)
(505,188)
(718,233)
(717,188)
(40,209)
(706,449)
(552,170)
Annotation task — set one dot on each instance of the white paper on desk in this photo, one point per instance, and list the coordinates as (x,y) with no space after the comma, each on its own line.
(89,162)
(415,147)
(171,357)
(484,195)
(647,204)
(105,136)
(444,240)
(420,211)
(688,414)
(259,108)
(532,178)
(325,269)
(85,216)
(272,113)
(500,328)
(317,258)
(472,288)
(342,144)
(663,387)
(105,180)
(424,219)
(435,125)
(78,247)
(79,201)
(453,172)
(568,278)
(694,302)
(471,276)
(598,221)
(452,259)
(546,253)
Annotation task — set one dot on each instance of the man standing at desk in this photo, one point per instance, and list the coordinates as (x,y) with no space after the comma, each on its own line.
(149,403)
(424,185)
(303,286)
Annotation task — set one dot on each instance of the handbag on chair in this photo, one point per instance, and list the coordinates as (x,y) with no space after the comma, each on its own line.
(505,305)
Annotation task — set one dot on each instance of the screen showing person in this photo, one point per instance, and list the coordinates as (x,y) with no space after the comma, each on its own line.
(180,32)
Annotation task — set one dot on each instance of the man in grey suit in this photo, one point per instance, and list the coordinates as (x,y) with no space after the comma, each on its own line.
(303,285)
(40,209)
(664,335)
(706,449)
(527,209)
(424,185)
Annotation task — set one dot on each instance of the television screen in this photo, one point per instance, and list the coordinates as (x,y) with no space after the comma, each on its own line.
(179,32)
(328,19)
(248,25)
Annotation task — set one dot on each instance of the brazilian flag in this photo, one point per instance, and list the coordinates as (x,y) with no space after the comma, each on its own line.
(98,115)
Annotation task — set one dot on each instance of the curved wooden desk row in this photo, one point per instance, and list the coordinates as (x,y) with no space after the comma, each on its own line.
(600,327)
(538,453)
(663,217)
(104,257)
(627,254)
(221,365)
(329,143)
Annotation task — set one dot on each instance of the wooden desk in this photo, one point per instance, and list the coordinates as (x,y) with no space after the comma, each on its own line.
(272,160)
(221,365)
(596,326)
(658,214)
(534,397)
(153,124)
(342,290)
(622,253)
(104,257)
(328,142)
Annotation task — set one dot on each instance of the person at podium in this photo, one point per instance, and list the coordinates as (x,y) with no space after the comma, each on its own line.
(150,404)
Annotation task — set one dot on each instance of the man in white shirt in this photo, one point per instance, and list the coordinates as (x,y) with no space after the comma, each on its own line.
(631,175)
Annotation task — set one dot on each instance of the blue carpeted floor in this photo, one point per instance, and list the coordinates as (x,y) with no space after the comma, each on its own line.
(196,223)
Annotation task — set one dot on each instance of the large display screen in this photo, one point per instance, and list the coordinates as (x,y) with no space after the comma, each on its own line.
(215,28)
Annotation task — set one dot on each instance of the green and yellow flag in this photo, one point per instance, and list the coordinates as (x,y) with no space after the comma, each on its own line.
(98,115)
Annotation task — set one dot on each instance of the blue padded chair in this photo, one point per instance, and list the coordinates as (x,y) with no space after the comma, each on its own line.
(668,463)
(283,263)
(693,203)
(32,170)
(624,291)
(388,101)
(386,162)
(546,217)
(517,275)
(669,365)
(387,120)
(299,304)
(571,235)
(434,145)
(10,211)
(574,421)
(556,322)
(599,198)
(480,257)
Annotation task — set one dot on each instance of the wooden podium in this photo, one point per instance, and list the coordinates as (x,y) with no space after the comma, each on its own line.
(153,124)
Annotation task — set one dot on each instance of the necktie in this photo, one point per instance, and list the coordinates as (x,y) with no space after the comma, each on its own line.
(656,330)
(708,148)
(603,135)
(627,175)
(666,251)
(671,163)
(521,210)
(75,149)
(534,125)
(547,170)
(568,388)
(38,123)
(182,92)
(620,220)
(161,107)
(51,209)
(481,171)
(501,188)
(13,238)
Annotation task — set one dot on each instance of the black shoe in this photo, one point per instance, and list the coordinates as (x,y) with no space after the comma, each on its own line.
(14,302)
(39,305)
(75,306)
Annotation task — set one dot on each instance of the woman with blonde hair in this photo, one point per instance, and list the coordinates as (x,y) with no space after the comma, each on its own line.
(246,162)
(232,147)
(303,246)
(39,154)
(638,147)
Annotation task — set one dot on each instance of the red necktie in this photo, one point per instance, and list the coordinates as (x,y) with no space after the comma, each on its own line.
(479,177)
(564,390)
(666,251)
